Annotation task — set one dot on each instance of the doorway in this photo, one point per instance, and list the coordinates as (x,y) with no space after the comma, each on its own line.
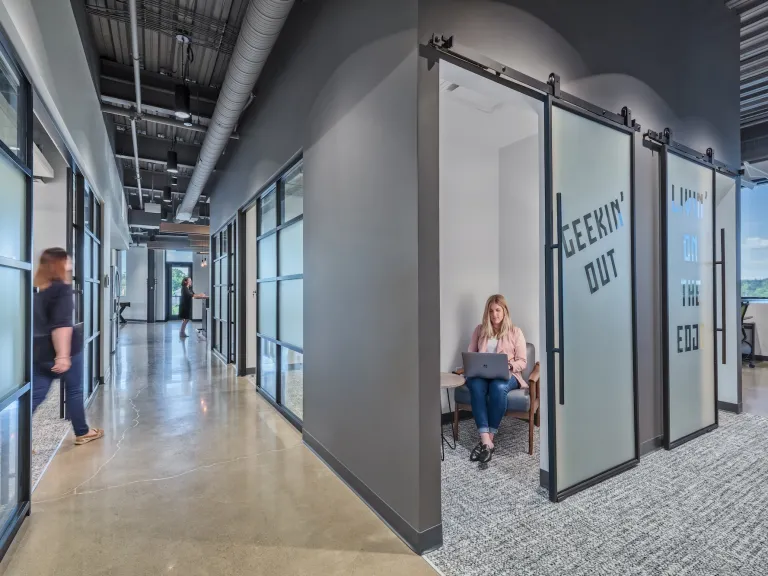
(545,180)
(224,297)
(175,273)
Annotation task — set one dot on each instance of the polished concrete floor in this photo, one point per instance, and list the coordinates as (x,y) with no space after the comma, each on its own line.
(197,475)
(754,389)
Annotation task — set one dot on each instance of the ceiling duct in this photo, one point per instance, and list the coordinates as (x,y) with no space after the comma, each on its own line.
(262,24)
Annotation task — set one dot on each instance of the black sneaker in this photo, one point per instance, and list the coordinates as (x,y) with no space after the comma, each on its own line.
(476,452)
(486,453)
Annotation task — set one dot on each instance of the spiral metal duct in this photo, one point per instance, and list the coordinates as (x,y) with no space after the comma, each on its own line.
(261,26)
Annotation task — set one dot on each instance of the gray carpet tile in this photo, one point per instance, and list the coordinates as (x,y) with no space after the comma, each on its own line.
(47,431)
(701,509)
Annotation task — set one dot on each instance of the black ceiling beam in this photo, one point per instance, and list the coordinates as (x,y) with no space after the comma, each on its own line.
(156,89)
(160,179)
(155,148)
(126,129)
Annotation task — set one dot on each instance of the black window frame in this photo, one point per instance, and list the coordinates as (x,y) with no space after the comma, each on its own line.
(20,159)
(278,187)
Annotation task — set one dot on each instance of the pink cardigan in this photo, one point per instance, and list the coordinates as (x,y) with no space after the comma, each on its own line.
(513,345)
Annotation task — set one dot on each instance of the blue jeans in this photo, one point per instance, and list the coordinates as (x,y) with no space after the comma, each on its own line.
(489,401)
(73,384)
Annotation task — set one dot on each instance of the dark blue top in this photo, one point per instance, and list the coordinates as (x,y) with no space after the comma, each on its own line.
(53,309)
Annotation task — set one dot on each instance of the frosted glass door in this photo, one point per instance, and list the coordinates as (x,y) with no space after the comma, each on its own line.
(594,392)
(727,207)
(690,371)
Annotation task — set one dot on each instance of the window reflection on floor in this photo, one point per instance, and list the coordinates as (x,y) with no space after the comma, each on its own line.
(755,388)
(293,381)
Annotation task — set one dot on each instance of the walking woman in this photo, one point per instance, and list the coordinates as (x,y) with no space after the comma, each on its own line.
(496,335)
(58,346)
(185,306)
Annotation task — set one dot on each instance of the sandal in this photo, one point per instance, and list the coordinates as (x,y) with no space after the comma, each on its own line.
(93,434)
(476,452)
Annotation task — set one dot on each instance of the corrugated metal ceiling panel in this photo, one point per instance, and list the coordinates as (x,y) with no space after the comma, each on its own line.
(753,60)
(211,25)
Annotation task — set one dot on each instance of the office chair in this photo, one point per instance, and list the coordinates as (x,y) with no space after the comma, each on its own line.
(750,355)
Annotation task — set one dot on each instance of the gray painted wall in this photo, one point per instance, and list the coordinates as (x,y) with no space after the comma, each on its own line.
(344,74)
(686,78)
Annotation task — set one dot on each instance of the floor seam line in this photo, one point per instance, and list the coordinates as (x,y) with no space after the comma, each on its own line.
(164,478)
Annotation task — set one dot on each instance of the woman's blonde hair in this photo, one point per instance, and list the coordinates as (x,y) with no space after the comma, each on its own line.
(505,328)
(52,267)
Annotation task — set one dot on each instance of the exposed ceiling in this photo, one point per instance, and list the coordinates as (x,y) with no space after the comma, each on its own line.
(753,74)
(753,60)
(179,41)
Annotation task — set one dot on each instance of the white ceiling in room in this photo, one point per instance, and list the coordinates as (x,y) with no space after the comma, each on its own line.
(517,113)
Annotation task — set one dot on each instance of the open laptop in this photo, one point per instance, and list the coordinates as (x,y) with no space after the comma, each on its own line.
(488,366)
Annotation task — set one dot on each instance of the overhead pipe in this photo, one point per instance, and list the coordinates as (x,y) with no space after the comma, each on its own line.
(261,26)
(130,113)
(137,84)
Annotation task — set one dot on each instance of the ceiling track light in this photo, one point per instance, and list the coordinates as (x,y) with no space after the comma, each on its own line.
(172,165)
(166,193)
(181,99)
(175,180)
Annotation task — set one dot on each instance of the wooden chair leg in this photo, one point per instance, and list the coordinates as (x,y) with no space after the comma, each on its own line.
(530,436)
(455,422)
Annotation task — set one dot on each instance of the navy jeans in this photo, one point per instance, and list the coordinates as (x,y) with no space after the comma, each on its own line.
(73,384)
(489,401)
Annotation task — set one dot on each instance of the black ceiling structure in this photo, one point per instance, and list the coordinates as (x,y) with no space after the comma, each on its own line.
(753,77)
(181,42)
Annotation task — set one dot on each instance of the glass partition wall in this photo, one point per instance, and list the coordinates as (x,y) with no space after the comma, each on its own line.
(16,269)
(280,292)
(84,244)
(224,302)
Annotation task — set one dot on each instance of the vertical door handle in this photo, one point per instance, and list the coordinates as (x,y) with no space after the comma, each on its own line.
(560,324)
(723,329)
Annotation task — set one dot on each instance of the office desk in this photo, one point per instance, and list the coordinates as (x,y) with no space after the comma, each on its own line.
(123,306)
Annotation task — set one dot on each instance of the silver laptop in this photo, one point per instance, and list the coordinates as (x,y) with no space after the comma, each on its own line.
(488,366)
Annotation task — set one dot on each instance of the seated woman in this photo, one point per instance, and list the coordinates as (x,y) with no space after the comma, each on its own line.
(496,335)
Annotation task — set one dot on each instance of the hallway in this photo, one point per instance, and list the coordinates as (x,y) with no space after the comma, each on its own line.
(197,475)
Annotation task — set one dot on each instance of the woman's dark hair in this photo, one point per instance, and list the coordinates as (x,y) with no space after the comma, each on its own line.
(52,267)
(184,282)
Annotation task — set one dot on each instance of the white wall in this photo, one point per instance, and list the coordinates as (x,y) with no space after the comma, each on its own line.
(136,284)
(50,208)
(491,197)
(759,313)
(469,224)
(521,251)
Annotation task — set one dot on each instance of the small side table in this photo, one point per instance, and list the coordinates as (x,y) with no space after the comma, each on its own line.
(448,381)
